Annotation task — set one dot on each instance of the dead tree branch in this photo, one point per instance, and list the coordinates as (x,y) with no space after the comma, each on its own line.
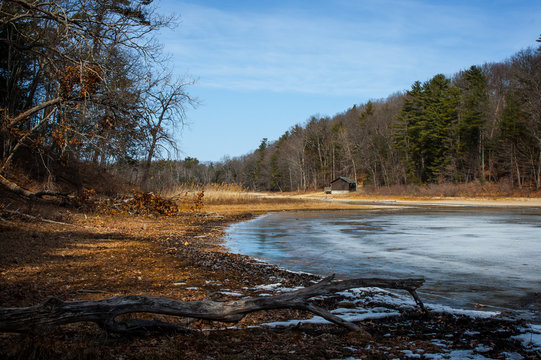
(55,312)
(13,187)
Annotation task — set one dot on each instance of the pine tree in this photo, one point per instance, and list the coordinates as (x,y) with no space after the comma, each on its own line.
(427,116)
(472,120)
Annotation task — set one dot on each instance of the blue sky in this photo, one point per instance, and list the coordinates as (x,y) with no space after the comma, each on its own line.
(263,66)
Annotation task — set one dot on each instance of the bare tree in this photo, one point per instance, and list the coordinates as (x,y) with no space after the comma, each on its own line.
(163,111)
(66,68)
(527,71)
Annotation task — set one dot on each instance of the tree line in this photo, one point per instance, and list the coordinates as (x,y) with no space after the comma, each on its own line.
(85,82)
(481,124)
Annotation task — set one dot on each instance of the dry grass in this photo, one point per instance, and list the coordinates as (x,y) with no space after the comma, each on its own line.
(472,189)
(280,204)
(232,199)
(235,199)
(225,197)
(213,193)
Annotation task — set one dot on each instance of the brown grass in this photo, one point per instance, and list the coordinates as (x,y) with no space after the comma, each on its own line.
(473,189)
(233,199)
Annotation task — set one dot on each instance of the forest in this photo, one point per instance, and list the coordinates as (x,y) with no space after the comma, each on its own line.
(482,124)
(86,85)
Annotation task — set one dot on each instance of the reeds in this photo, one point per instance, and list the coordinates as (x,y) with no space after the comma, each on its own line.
(214,193)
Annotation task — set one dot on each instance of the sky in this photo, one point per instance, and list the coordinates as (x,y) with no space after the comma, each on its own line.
(261,67)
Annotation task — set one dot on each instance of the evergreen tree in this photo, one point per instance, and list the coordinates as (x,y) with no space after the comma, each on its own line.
(410,114)
(257,174)
(427,115)
(471,123)
(276,175)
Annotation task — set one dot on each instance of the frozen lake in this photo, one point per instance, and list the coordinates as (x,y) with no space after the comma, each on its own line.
(469,257)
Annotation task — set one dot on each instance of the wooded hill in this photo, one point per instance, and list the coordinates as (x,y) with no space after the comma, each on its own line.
(482,124)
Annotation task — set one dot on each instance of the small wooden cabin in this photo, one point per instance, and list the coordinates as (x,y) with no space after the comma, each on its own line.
(343,184)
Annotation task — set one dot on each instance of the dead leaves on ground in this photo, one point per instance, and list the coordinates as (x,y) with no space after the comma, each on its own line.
(141,203)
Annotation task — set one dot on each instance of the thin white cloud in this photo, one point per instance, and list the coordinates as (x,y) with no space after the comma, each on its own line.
(376,48)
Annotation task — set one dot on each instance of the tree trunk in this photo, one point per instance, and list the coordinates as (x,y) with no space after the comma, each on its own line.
(23,139)
(519,178)
(13,122)
(538,175)
(14,188)
(482,156)
(55,312)
(148,162)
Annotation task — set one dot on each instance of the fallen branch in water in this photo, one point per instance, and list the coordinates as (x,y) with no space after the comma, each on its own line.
(55,312)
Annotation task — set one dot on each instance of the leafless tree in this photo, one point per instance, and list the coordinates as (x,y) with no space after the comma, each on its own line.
(70,81)
(162,111)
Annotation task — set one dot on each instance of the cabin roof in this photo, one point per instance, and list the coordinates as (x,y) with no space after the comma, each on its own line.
(346,179)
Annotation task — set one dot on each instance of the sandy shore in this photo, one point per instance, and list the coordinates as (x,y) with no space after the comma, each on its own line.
(352,199)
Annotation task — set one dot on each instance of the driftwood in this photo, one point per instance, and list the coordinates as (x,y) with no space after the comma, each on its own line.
(55,312)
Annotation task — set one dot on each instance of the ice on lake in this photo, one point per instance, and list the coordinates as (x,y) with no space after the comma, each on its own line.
(488,258)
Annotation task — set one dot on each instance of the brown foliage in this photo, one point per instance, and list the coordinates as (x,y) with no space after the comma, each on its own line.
(144,203)
(196,203)
(83,81)
(141,203)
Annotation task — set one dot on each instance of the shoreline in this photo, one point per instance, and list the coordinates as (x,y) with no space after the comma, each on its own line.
(260,203)
(417,200)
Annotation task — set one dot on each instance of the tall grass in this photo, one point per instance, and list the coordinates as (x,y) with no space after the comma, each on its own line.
(226,194)
(232,194)
(215,194)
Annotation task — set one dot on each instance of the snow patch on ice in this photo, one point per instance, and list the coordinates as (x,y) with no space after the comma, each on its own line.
(411,354)
(470,313)
(402,301)
(440,343)
(267,287)
(512,356)
(531,337)
(231,293)
(456,355)
(481,348)
(287,289)
(276,287)
(351,315)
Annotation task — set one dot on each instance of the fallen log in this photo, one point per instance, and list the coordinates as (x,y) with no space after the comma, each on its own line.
(55,312)
(16,189)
